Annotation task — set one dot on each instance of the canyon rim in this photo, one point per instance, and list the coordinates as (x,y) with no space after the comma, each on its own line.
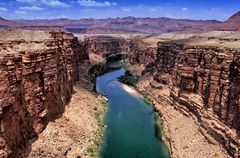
(180,83)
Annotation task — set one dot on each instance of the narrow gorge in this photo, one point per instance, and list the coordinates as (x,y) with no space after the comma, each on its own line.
(197,74)
(192,79)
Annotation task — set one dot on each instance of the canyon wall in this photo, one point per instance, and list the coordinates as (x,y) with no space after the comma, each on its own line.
(201,71)
(37,73)
(204,83)
(139,52)
(38,70)
(104,45)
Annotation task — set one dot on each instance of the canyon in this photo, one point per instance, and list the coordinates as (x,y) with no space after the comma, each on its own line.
(195,76)
(200,71)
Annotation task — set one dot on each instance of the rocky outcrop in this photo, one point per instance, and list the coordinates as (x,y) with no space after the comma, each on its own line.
(38,70)
(104,45)
(37,73)
(202,71)
(204,83)
(139,52)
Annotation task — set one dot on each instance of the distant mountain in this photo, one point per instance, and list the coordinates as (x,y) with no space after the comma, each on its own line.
(235,18)
(2,19)
(4,22)
(127,24)
(233,23)
(7,23)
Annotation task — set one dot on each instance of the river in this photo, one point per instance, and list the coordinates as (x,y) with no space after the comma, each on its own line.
(130,131)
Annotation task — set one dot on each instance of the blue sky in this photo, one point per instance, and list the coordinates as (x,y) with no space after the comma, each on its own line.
(77,9)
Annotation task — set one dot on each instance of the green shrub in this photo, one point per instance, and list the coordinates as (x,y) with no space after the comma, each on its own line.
(158,125)
(94,149)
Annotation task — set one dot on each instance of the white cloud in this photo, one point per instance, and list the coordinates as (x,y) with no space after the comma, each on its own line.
(3,9)
(126,9)
(63,17)
(185,9)
(32,8)
(51,3)
(29,1)
(55,3)
(20,12)
(92,3)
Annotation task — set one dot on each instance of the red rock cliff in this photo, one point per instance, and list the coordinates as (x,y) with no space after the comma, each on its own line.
(204,77)
(139,52)
(202,71)
(37,73)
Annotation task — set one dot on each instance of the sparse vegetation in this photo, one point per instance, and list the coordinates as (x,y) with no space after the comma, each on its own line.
(94,149)
(158,124)
(129,79)
(132,80)
(145,95)
(97,70)
(158,120)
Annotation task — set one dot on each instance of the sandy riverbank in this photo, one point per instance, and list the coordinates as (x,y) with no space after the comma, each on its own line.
(131,90)
(180,132)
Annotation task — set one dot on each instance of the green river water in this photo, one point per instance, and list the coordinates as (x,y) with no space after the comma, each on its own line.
(130,131)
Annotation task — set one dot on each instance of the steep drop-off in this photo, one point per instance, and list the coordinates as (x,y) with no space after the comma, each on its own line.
(200,71)
(203,75)
(200,74)
(138,52)
(37,73)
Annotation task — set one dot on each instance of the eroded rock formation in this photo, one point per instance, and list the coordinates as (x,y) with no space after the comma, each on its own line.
(104,45)
(203,75)
(38,70)
(139,52)
(202,71)
(37,73)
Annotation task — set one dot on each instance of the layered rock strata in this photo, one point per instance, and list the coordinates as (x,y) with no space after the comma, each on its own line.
(37,73)
(202,71)
(139,52)
(180,132)
(203,75)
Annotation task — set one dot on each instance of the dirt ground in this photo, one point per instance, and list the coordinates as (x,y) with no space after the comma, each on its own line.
(70,135)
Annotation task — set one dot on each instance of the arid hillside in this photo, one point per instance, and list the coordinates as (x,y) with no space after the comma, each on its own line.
(126,25)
